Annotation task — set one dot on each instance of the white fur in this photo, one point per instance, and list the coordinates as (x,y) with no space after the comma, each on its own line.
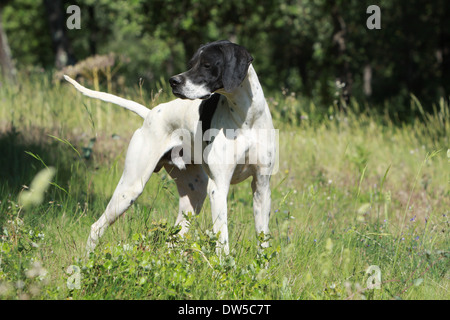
(244,110)
(194,91)
(127,104)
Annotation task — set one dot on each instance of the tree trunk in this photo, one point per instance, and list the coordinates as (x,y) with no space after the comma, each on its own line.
(61,44)
(94,30)
(6,63)
(339,38)
(367,78)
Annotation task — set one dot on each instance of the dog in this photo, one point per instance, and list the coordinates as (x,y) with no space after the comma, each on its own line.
(220,111)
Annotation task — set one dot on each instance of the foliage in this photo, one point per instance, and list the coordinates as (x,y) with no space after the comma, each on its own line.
(308,47)
(353,191)
(360,203)
(161,265)
(22,274)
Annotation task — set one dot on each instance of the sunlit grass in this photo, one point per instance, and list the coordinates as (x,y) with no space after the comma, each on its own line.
(353,190)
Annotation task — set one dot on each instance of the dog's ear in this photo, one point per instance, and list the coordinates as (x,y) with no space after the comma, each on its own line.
(237,60)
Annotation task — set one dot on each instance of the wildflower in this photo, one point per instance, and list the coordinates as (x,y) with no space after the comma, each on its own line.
(36,271)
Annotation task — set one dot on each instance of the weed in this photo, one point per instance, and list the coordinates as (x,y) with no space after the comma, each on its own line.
(357,213)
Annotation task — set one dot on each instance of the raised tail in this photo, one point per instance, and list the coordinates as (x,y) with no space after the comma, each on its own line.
(137,108)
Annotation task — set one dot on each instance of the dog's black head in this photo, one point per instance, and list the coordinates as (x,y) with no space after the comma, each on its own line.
(216,65)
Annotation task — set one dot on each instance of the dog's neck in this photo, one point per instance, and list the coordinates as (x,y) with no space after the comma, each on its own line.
(250,96)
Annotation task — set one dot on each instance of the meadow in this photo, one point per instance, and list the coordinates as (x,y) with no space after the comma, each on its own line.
(360,205)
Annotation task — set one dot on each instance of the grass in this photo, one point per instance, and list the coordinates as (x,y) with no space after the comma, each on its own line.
(354,189)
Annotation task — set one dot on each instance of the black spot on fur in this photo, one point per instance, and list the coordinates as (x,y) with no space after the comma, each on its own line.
(206,111)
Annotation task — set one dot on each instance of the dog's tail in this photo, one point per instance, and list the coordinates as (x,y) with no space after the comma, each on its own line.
(127,104)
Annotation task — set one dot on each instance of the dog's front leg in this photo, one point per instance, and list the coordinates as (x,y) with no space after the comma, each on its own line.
(261,206)
(218,193)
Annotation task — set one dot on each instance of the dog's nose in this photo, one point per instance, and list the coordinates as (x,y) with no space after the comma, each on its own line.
(175,81)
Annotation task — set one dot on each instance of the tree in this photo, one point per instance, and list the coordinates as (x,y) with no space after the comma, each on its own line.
(6,63)
(61,44)
(306,46)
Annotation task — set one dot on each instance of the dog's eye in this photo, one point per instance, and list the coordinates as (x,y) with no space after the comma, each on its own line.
(206,65)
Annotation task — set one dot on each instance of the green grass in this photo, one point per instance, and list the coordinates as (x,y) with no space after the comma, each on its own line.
(354,189)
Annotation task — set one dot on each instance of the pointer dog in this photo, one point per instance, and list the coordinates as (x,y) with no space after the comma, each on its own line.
(221,110)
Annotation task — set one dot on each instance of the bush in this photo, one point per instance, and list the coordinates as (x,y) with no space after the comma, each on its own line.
(188,269)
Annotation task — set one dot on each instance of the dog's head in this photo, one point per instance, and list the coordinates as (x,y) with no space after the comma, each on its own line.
(216,65)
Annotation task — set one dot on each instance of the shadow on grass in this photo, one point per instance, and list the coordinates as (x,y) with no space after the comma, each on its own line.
(25,152)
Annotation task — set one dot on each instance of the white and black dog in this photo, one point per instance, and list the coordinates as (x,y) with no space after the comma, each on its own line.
(219,133)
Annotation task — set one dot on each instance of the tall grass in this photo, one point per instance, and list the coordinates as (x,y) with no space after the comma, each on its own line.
(354,190)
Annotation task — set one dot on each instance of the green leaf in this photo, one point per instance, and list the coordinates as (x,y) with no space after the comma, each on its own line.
(142,280)
(418,282)
(65,141)
(189,280)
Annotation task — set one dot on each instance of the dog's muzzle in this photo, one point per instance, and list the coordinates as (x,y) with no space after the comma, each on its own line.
(176,82)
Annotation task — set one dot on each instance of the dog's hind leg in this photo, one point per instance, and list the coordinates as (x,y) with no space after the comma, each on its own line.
(192,187)
(147,146)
